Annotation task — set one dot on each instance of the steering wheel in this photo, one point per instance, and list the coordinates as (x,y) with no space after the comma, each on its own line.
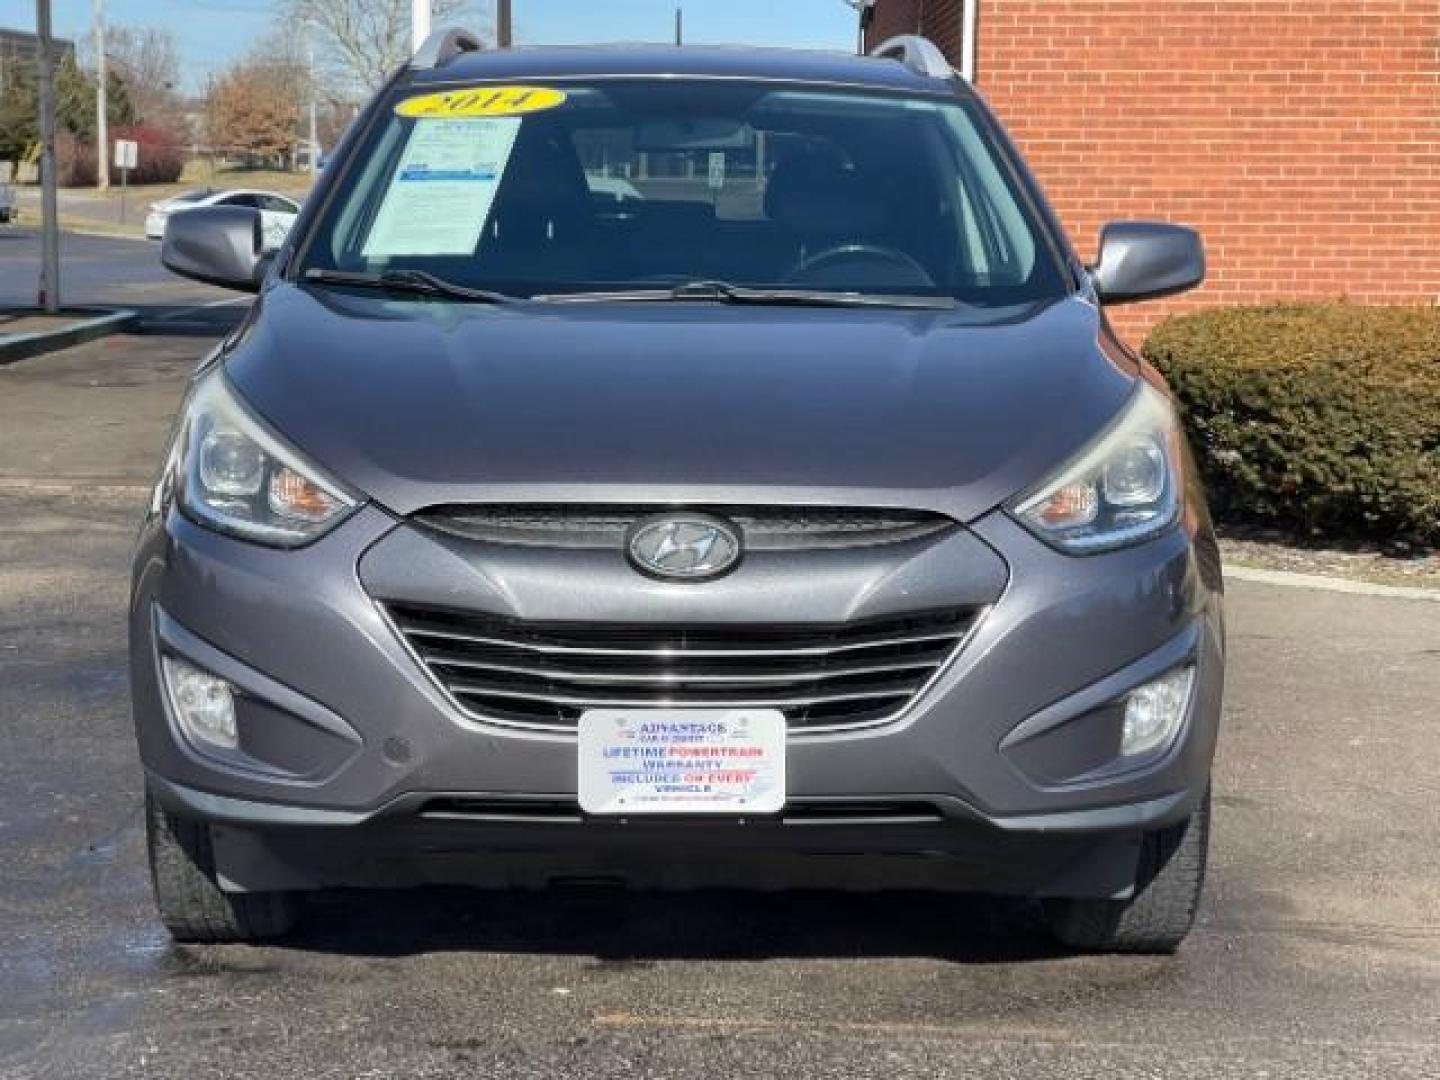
(874,252)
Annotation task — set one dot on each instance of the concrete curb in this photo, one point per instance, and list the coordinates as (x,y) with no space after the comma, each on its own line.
(1293,580)
(189,319)
(106,321)
(103,233)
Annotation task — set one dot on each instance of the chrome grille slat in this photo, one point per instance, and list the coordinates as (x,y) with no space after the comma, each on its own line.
(662,653)
(765,528)
(669,677)
(545,675)
(777,701)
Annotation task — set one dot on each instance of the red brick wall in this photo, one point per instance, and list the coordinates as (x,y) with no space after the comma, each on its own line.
(1301,136)
(894,17)
(940,19)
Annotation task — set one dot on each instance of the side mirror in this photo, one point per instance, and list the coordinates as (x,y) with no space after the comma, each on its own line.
(219,245)
(1142,260)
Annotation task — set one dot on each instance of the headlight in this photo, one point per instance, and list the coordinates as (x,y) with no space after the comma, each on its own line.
(1123,488)
(229,472)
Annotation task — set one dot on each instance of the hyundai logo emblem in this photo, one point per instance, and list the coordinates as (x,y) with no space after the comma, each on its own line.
(684,546)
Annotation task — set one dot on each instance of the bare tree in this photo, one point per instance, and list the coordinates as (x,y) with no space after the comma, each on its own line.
(147,61)
(365,40)
(283,54)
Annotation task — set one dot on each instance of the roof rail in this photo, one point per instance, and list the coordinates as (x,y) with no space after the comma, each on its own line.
(919,54)
(443,46)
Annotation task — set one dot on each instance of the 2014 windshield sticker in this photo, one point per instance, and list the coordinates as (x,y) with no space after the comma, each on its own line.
(444,188)
(482,101)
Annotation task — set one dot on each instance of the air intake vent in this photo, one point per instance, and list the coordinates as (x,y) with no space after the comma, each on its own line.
(547,674)
(795,528)
(501,809)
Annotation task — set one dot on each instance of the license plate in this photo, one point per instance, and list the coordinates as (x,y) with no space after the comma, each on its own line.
(682,761)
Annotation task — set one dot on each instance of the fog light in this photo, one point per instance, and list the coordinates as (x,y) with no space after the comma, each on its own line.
(1155,711)
(204,704)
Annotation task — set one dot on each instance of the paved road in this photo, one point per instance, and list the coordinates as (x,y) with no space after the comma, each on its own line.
(99,270)
(85,207)
(1318,953)
(91,211)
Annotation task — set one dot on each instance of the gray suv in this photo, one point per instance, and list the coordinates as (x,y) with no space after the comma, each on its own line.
(678,467)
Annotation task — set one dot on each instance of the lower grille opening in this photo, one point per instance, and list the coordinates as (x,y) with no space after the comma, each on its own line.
(542,674)
(499,810)
(863,812)
(555,811)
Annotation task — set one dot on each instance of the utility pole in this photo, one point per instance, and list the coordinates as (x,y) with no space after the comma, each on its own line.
(49,205)
(504,25)
(679,25)
(314,108)
(102,88)
(865,10)
(419,23)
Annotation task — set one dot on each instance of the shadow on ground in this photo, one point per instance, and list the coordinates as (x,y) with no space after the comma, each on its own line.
(182,320)
(616,925)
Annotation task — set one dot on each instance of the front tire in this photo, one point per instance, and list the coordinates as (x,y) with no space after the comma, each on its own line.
(192,905)
(1157,918)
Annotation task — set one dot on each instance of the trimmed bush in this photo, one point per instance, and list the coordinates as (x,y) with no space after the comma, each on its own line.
(74,161)
(161,154)
(1321,419)
(161,158)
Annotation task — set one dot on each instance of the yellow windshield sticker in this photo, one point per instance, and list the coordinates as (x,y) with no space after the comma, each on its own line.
(482,101)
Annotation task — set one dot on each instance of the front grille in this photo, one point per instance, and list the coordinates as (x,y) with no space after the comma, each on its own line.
(765,528)
(547,674)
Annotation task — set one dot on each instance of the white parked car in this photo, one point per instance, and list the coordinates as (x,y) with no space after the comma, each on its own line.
(612,187)
(277,212)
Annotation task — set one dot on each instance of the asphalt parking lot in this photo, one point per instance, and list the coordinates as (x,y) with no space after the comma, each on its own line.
(106,270)
(1318,953)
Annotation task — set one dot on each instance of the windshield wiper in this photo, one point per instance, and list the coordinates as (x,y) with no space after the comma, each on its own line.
(725,293)
(421,282)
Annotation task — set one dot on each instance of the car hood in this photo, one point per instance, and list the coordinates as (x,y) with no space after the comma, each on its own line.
(421,402)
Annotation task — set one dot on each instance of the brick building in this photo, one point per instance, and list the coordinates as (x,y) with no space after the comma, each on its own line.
(1301,136)
(19,46)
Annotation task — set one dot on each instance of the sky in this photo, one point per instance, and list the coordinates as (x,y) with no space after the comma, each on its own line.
(213,32)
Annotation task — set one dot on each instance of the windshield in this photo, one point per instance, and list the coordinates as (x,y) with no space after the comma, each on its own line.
(579,187)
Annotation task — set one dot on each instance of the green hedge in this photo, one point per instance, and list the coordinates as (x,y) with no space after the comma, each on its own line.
(1322,419)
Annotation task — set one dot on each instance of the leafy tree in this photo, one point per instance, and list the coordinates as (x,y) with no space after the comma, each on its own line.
(74,105)
(253,108)
(75,91)
(19,128)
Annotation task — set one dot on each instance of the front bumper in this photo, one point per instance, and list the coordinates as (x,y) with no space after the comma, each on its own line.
(360,745)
